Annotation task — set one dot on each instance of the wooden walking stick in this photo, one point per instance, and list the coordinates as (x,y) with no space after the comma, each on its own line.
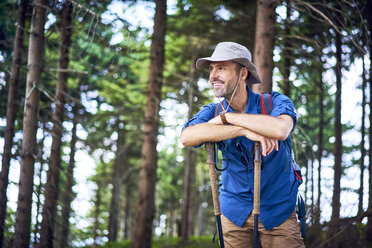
(211,161)
(257,183)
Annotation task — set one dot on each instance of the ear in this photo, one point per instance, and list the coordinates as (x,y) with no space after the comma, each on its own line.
(245,73)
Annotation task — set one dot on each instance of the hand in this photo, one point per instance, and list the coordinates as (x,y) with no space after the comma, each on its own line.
(268,144)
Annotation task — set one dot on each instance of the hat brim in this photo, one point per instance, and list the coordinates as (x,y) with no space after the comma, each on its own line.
(253,77)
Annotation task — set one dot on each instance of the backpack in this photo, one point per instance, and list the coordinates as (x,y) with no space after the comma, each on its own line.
(301,212)
(266,108)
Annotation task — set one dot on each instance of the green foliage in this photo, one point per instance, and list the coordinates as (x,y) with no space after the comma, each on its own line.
(101,201)
(9,227)
(207,23)
(7,34)
(170,174)
(7,30)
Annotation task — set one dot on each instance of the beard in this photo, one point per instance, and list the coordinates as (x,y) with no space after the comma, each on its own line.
(227,89)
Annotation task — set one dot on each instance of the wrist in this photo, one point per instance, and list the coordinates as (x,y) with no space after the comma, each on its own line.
(223,118)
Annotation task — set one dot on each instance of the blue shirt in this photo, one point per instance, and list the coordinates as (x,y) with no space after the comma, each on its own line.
(279,185)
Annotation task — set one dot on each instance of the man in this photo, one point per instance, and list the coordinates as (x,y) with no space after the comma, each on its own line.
(235,130)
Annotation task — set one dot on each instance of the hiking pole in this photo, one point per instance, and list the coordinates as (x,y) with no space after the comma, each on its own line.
(257,183)
(211,161)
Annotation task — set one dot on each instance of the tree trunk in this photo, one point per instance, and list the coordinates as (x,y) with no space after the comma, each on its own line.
(202,200)
(51,188)
(320,147)
(306,176)
(68,194)
(187,204)
(264,44)
(312,185)
(30,122)
(11,111)
(127,207)
(368,233)
(189,171)
(362,142)
(337,149)
(142,230)
(286,52)
(173,217)
(116,182)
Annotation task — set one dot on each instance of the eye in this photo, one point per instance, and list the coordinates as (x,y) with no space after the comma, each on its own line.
(218,68)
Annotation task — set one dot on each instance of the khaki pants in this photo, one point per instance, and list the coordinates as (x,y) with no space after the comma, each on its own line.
(286,235)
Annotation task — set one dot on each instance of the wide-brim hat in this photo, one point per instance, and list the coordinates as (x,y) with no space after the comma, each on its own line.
(231,51)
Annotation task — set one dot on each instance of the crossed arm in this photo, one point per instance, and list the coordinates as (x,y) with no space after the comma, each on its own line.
(263,128)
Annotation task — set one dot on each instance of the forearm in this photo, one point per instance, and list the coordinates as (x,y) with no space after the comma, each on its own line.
(268,126)
(209,132)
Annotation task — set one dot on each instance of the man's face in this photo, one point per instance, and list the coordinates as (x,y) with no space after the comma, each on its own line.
(223,77)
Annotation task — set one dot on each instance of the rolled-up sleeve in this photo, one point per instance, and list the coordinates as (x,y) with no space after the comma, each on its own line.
(282,105)
(204,115)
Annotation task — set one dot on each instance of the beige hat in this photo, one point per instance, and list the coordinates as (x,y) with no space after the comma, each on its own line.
(226,51)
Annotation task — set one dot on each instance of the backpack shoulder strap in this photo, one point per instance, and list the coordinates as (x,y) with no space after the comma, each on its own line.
(266,106)
(220,106)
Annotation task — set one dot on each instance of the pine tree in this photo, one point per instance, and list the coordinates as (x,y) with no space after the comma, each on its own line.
(52,185)
(264,44)
(30,121)
(142,230)
(11,111)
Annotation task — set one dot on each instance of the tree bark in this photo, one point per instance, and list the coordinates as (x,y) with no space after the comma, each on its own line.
(319,153)
(68,194)
(368,233)
(11,112)
(202,200)
(51,188)
(264,44)
(127,208)
(362,142)
(306,176)
(337,149)
(286,52)
(187,204)
(116,182)
(142,230)
(189,171)
(312,185)
(30,122)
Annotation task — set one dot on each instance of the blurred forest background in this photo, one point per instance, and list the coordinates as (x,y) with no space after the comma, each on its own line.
(93,96)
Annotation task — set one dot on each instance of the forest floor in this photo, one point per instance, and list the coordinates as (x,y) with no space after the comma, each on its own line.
(163,242)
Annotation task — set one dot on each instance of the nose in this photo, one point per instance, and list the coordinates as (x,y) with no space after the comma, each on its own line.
(213,73)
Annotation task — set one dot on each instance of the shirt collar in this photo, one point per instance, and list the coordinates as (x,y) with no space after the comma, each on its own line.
(251,106)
